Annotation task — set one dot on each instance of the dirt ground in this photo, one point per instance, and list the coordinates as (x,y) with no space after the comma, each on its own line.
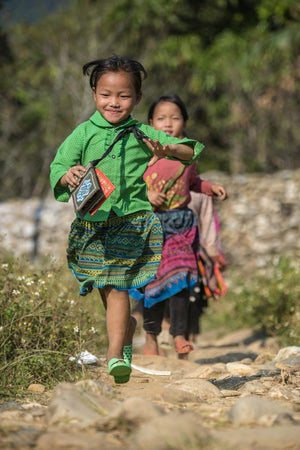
(238,392)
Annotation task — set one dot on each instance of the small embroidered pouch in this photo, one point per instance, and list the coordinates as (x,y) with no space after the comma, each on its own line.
(89,194)
(95,187)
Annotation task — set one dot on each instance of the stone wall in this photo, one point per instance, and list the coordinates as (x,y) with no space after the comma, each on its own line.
(259,220)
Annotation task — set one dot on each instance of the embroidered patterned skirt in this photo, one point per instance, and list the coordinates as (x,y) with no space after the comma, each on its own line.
(178,269)
(122,252)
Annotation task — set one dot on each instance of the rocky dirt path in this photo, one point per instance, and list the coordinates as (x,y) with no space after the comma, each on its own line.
(238,392)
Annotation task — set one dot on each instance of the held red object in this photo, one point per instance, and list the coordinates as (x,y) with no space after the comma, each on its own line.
(107,188)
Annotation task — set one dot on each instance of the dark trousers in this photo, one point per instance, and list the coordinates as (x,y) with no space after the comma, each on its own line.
(179,315)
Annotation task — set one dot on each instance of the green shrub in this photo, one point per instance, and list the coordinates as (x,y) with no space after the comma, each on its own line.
(44,321)
(270,302)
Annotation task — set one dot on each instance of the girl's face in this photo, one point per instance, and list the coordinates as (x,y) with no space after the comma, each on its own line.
(168,118)
(116,97)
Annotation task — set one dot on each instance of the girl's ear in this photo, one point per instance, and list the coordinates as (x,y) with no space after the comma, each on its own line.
(151,122)
(94,93)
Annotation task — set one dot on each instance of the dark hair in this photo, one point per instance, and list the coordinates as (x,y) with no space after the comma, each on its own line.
(115,64)
(168,98)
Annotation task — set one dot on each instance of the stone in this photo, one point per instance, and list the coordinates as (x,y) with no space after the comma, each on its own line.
(175,396)
(262,438)
(76,440)
(133,412)
(208,371)
(174,432)
(253,387)
(249,410)
(201,388)
(70,404)
(239,369)
(36,387)
(286,352)
(281,392)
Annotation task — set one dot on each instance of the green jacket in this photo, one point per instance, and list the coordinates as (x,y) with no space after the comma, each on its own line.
(124,166)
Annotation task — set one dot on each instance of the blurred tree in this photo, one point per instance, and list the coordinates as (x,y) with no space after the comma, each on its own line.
(234,62)
(224,71)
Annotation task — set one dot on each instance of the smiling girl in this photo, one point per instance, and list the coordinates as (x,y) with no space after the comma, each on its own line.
(169,184)
(118,247)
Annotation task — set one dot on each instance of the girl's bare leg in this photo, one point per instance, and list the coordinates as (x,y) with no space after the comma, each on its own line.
(118,321)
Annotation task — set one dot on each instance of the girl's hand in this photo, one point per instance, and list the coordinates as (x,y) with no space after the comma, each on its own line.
(72,177)
(156,198)
(219,191)
(219,261)
(159,151)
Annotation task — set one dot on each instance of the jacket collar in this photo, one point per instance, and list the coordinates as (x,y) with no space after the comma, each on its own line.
(98,120)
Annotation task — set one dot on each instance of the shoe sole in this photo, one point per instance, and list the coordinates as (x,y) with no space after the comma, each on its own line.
(120,370)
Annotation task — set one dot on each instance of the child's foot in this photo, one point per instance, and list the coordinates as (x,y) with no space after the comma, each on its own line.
(151,346)
(182,346)
(119,369)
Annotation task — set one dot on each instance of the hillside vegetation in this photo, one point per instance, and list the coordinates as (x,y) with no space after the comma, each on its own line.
(235,63)
(44,321)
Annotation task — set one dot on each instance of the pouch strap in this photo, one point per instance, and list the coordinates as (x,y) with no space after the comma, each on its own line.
(138,134)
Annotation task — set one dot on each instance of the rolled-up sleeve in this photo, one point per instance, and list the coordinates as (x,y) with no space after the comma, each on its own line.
(165,139)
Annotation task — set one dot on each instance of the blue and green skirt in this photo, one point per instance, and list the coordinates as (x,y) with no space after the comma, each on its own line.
(122,252)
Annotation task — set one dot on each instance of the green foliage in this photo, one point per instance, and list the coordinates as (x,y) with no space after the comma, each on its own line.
(269,303)
(43,323)
(234,63)
(272,303)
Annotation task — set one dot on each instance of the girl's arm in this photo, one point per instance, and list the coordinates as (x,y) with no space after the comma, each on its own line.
(197,184)
(179,151)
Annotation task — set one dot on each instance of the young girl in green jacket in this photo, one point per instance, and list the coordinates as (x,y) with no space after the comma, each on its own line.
(118,247)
